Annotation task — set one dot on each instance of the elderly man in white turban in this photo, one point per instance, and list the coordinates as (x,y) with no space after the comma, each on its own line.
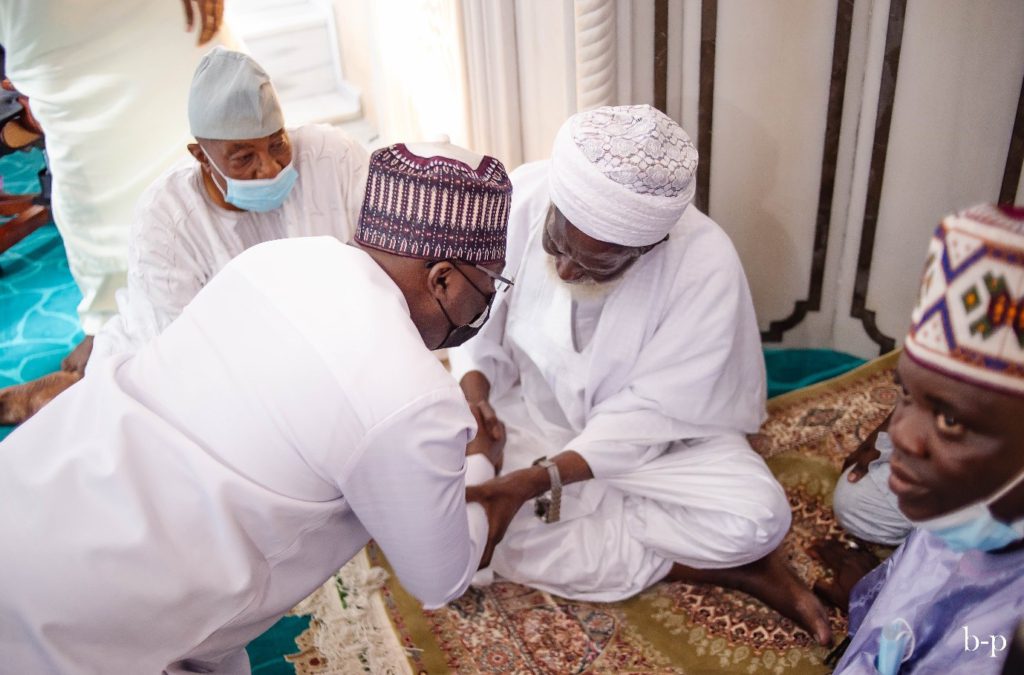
(625,368)
(251,180)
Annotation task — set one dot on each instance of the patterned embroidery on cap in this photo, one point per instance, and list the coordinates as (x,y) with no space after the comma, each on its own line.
(638,147)
(970,311)
(435,208)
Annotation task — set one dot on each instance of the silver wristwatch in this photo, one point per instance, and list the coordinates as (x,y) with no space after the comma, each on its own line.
(548,506)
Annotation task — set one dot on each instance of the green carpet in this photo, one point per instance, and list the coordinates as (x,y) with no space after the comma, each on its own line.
(791,369)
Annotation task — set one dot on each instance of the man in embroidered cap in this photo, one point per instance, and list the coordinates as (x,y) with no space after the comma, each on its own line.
(949,599)
(626,369)
(176,502)
(251,180)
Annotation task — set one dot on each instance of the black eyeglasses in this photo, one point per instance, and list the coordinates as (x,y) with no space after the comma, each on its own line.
(501,284)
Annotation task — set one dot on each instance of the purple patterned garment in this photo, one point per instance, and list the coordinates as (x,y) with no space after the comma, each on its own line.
(963,608)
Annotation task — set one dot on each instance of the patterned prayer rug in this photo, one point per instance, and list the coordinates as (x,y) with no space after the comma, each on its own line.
(670,628)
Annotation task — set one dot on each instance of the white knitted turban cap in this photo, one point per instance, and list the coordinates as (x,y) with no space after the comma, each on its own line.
(623,174)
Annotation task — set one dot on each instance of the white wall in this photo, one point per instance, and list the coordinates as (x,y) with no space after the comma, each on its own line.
(956,91)
(529,64)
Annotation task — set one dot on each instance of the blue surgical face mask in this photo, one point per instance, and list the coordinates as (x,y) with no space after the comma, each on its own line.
(973,527)
(895,645)
(258,194)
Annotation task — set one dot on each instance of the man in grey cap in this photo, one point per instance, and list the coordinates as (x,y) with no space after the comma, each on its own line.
(252,180)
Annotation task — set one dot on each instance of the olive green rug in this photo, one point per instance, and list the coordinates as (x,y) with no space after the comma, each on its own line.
(670,628)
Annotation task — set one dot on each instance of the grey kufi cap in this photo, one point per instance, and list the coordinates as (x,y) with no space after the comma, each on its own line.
(232,98)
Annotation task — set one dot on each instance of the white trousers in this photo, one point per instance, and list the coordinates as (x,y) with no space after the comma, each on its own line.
(707,503)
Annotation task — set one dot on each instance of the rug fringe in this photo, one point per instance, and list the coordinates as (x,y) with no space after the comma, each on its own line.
(353,632)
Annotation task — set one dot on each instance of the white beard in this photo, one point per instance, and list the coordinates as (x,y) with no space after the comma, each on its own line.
(585,290)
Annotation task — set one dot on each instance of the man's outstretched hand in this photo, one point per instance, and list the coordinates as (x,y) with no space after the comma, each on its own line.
(211,15)
(849,565)
(501,497)
(490,435)
(865,453)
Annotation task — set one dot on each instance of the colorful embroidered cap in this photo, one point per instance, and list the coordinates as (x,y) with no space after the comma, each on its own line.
(969,318)
(623,174)
(435,208)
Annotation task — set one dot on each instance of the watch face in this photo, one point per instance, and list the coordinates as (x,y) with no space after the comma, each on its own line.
(541,506)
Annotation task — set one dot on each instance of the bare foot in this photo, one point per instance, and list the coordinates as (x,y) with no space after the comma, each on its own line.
(76,360)
(772,581)
(21,401)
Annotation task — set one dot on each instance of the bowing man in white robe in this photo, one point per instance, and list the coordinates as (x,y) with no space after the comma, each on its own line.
(628,357)
(172,505)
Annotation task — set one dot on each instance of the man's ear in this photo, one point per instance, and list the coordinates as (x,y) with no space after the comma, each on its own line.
(645,249)
(439,278)
(197,153)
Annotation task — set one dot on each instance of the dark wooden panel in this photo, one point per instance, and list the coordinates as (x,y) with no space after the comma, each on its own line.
(661,55)
(708,32)
(1014,156)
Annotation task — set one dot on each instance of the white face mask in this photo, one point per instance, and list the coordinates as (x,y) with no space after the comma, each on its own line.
(973,527)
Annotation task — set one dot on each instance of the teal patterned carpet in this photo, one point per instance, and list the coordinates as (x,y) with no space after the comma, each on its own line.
(38,322)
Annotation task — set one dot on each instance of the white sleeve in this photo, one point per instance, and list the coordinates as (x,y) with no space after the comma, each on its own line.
(407,486)
(161,281)
(356,167)
(487,352)
(351,162)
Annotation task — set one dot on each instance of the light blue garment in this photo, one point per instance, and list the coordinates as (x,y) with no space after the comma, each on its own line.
(895,645)
(974,527)
(258,194)
(962,607)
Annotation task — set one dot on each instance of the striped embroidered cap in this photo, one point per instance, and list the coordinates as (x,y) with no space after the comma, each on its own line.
(435,208)
(969,319)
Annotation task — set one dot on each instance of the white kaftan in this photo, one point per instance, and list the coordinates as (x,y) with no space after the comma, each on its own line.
(172,505)
(108,81)
(180,238)
(655,396)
